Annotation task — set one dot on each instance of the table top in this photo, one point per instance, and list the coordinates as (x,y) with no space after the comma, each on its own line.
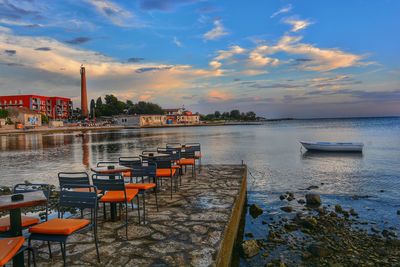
(30,199)
(105,170)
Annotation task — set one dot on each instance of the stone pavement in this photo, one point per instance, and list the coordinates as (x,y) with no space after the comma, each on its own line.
(187,231)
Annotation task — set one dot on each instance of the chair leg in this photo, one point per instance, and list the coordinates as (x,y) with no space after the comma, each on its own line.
(155,192)
(126,220)
(144,207)
(96,242)
(49,246)
(63,248)
(138,205)
(171,186)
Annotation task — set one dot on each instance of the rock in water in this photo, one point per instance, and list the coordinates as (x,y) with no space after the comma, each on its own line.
(353,212)
(287,209)
(312,187)
(301,201)
(318,250)
(338,208)
(250,248)
(255,211)
(398,212)
(282,197)
(313,199)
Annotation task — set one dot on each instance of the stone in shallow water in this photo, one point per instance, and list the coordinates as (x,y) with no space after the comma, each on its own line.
(255,210)
(250,248)
(287,209)
(313,199)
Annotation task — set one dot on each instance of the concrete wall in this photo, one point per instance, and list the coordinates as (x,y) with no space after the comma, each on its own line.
(132,120)
(55,124)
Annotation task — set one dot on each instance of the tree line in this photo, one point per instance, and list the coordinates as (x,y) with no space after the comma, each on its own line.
(112,106)
(232,115)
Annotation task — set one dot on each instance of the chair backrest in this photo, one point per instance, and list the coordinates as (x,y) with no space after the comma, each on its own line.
(174,153)
(108,182)
(163,162)
(78,199)
(130,162)
(81,178)
(188,153)
(106,163)
(195,146)
(149,169)
(169,145)
(149,151)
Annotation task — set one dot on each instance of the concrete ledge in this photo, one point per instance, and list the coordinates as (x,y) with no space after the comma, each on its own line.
(224,257)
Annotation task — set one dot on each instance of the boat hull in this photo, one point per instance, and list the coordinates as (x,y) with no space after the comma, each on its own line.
(333,147)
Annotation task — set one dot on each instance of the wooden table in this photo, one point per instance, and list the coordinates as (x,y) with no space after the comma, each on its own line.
(118,169)
(31,199)
(155,155)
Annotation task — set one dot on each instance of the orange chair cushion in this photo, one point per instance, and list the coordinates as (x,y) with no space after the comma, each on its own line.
(175,167)
(9,247)
(140,186)
(186,162)
(25,222)
(126,174)
(59,226)
(165,172)
(119,196)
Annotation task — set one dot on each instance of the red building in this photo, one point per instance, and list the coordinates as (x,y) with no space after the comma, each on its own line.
(54,107)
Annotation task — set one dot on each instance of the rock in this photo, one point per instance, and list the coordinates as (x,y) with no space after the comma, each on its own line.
(398,212)
(255,211)
(301,201)
(264,222)
(5,190)
(312,187)
(313,199)
(374,230)
(338,208)
(250,248)
(249,235)
(265,254)
(291,227)
(353,212)
(318,249)
(282,197)
(290,198)
(287,209)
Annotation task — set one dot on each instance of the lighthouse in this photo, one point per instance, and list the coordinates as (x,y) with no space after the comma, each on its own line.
(84,106)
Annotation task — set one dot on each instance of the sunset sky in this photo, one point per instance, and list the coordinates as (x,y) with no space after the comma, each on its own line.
(278,58)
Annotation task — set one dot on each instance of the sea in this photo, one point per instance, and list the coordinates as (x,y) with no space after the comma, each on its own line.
(368,182)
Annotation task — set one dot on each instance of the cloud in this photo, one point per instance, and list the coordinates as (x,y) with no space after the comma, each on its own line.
(297,24)
(275,86)
(141,70)
(257,59)
(283,10)
(217,32)
(13,10)
(78,40)
(217,95)
(135,59)
(20,23)
(116,14)
(177,42)
(163,5)
(10,52)
(252,72)
(43,48)
(215,64)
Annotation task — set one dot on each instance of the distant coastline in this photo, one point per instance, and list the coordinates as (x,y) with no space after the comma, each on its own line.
(45,129)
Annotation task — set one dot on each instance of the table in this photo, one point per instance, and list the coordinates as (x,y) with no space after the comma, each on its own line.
(155,155)
(118,169)
(31,199)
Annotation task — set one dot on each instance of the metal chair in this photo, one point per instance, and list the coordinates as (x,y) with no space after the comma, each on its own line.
(165,169)
(12,246)
(197,149)
(146,170)
(60,228)
(188,159)
(115,192)
(130,162)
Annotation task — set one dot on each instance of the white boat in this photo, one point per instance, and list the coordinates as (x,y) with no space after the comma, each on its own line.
(333,146)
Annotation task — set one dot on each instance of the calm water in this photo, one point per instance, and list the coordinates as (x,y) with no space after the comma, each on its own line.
(271,151)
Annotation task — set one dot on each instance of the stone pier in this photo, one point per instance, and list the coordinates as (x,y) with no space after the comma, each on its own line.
(197,227)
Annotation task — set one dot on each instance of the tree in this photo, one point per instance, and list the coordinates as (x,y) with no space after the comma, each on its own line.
(45,119)
(3,113)
(99,107)
(251,116)
(146,108)
(235,114)
(217,114)
(92,108)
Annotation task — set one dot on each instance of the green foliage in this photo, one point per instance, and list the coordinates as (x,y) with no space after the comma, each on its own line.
(45,119)
(234,115)
(3,113)
(9,121)
(145,108)
(92,108)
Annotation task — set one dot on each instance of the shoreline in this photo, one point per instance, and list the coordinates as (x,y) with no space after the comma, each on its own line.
(113,128)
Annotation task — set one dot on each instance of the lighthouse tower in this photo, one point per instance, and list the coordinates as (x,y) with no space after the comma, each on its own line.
(84,101)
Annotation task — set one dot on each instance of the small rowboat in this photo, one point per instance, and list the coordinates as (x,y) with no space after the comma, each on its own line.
(333,146)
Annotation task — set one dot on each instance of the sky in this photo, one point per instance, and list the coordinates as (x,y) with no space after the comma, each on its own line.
(278,58)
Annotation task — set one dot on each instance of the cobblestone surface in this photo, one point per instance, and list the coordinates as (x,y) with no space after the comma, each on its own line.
(187,230)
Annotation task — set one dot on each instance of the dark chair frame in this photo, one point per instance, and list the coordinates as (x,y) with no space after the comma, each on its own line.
(78,200)
(197,148)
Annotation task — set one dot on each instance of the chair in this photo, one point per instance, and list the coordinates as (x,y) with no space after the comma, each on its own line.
(11,246)
(197,149)
(188,159)
(175,154)
(59,229)
(26,221)
(75,178)
(173,145)
(115,192)
(130,162)
(165,169)
(147,169)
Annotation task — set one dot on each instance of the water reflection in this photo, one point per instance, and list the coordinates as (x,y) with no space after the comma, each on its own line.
(332,155)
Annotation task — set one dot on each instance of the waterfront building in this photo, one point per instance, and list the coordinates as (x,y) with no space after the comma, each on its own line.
(173,111)
(140,120)
(54,107)
(25,117)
